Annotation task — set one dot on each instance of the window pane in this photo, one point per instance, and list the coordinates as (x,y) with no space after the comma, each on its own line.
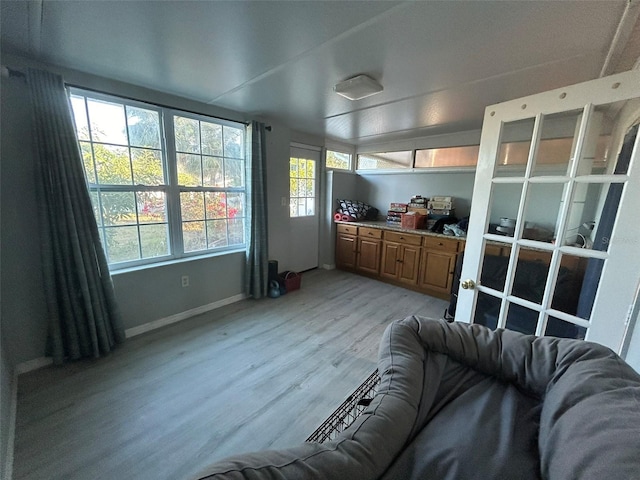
(211,138)
(217,233)
(311,206)
(293,207)
(192,205)
(531,274)
(487,310)
(515,142)
(118,208)
(236,231)
(213,175)
(113,164)
(193,236)
(96,207)
(151,207)
(147,167)
(233,173)
(301,207)
(154,240)
(187,132)
(189,170)
(310,187)
(233,142)
(293,187)
(80,117)
(216,204)
(144,127)
(311,169)
(338,160)
(235,205)
(107,122)
(122,243)
(522,319)
(447,157)
(541,213)
(562,329)
(385,160)
(87,161)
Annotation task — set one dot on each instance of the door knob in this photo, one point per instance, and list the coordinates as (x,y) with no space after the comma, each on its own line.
(468,284)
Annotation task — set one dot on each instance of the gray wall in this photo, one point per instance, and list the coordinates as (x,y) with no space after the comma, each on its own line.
(338,186)
(379,190)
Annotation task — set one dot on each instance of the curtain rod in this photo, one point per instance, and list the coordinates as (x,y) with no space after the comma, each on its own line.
(268,128)
(11,72)
(8,72)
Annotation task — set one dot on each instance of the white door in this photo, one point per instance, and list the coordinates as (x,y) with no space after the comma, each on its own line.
(304,164)
(553,246)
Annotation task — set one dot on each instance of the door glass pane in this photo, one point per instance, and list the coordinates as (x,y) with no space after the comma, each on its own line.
(494,265)
(556,146)
(531,274)
(569,282)
(521,319)
(602,152)
(515,142)
(487,310)
(562,329)
(541,211)
(503,208)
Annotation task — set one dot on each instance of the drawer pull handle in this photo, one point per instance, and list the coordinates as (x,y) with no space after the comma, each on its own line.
(401,238)
(440,243)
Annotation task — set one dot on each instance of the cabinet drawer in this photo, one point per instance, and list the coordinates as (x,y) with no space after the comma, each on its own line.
(442,244)
(370,232)
(403,238)
(348,229)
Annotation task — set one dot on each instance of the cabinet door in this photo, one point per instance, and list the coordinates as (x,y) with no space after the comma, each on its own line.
(368,255)
(390,260)
(345,251)
(437,270)
(409,265)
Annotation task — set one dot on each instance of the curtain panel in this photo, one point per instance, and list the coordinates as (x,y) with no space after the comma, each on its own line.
(256,271)
(83,316)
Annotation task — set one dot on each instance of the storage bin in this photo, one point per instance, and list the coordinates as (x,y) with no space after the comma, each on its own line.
(291,280)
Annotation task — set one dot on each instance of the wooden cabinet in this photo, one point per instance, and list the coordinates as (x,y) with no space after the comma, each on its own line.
(358,248)
(401,257)
(438,264)
(368,251)
(346,247)
(425,263)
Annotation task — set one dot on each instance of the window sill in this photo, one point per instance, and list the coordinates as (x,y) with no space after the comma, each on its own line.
(175,261)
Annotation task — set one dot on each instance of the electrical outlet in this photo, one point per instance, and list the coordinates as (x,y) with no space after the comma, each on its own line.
(185,280)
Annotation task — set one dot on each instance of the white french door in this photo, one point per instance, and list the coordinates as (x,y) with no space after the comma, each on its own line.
(553,246)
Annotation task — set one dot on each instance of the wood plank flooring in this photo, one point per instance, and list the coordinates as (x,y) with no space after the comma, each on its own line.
(249,376)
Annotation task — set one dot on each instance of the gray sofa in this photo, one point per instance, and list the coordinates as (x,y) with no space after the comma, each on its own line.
(461,401)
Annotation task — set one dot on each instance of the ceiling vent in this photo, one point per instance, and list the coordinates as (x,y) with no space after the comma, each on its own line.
(358,87)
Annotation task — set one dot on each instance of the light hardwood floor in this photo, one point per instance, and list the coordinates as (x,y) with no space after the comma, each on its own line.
(249,376)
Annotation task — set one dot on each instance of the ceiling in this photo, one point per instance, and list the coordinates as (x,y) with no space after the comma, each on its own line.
(440,62)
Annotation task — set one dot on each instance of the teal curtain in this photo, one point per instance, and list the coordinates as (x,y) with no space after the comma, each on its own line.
(83,315)
(256,271)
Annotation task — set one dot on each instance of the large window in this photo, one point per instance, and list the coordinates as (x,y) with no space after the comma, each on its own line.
(163,183)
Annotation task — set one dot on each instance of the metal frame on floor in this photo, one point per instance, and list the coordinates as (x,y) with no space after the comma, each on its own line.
(347,413)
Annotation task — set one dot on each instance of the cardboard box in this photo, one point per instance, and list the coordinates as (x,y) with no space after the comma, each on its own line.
(413,220)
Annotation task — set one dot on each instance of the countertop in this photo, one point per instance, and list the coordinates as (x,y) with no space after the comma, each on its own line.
(383,225)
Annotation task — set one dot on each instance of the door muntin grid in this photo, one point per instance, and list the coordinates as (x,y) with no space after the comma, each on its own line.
(567,186)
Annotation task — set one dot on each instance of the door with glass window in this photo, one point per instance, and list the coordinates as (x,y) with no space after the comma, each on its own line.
(553,242)
(304,163)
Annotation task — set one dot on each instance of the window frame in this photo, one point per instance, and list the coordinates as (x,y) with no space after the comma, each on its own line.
(171,188)
(350,168)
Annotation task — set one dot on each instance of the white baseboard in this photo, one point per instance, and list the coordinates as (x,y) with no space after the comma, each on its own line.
(178,317)
(329,266)
(34,364)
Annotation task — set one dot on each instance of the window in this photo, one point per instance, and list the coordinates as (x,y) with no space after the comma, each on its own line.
(447,157)
(302,187)
(155,195)
(338,160)
(386,160)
